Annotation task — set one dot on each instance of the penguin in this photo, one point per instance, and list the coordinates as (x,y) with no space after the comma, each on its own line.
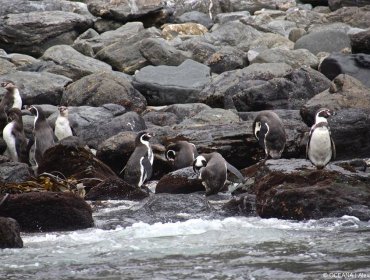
(181,154)
(269,131)
(11,99)
(212,169)
(13,134)
(62,128)
(139,166)
(320,148)
(42,132)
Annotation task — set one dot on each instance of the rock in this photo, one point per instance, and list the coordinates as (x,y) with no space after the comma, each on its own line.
(354,16)
(123,10)
(65,211)
(214,116)
(243,205)
(316,2)
(270,41)
(32,33)
(179,7)
(160,118)
(360,42)
(74,64)
(115,189)
(38,88)
(102,25)
(222,18)
(305,18)
(6,66)
(324,41)
(101,88)
(337,4)
(305,193)
(180,181)
(163,85)
(183,111)
(226,59)
(249,5)
(170,31)
(296,33)
(10,236)
(158,52)
(14,172)
(355,65)
(294,58)
(196,17)
(21,60)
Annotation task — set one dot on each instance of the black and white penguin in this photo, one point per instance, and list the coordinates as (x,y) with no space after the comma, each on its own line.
(139,166)
(42,132)
(15,138)
(181,154)
(320,147)
(212,169)
(62,127)
(11,99)
(269,131)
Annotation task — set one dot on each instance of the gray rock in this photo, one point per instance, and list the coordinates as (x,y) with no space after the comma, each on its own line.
(179,7)
(74,64)
(6,66)
(10,236)
(248,5)
(360,42)
(226,17)
(305,18)
(195,16)
(163,85)
(296,33)
(102,88)
(20,60)
(201,50)
(316,2)
(102,25)
(38,88)
(160,118)
(14,172)
(214,116)
(183,111)
(353,16)
(271,40)
(225,59)
(324,41)
(337,4)
(278,26)
(32,33)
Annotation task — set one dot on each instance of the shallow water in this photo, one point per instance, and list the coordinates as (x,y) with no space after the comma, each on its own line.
(230,248)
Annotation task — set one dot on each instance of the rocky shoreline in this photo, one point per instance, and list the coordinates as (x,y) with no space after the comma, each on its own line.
(198,71)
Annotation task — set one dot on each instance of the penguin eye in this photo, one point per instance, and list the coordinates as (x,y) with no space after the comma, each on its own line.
(171,154)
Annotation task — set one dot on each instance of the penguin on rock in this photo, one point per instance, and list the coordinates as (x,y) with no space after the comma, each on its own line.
(62,127)
(139,166)
(212,169)
(320,148)
(181,154)
(11,99)
(269,131)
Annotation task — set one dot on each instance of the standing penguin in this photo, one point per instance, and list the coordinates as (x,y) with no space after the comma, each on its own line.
(181,154)
(139,166)
(212,169)
(62,128)
(42,132)
(269,131)
(11,99)
(15,138)
(320,147)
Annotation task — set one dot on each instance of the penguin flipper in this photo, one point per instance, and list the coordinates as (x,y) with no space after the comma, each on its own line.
(308,141)
(147,167)
(235,171)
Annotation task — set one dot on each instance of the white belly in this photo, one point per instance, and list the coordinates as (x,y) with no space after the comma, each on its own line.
(10,141)
(62,128)
(319,151)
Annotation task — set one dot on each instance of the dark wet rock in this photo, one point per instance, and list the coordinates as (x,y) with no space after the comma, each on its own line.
(116,189)
(158,52)
(242,205)
(227,58)
(180,181)
(183,111)
(162,85)
(355,65)
(38,88)
(226,17)
(294,190)
(195,16)
(123,10)
(294,58)
(160,118)
(102,25)
(354,16)
(10,236)
(77,162)
(360,42)
(14,172)
(324,41)
(65,211)
(74,64)
(102,88)
(337,4)
(6,66)
(32,33)
(316,2)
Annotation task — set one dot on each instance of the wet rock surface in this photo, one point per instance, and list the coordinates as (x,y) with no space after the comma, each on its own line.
(10,236)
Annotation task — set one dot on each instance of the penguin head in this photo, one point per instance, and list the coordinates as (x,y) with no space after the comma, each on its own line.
(170,155)
(8,84)
(63,111)
(322,115)
(143,138)
(34,110)
(199,163)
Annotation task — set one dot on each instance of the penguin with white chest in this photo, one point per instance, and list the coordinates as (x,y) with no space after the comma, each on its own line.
(139,166)
(13,134)
(62,127)
(269,131)
(212,169)
(320,148)
(181,154)
(11,99)
(42,132)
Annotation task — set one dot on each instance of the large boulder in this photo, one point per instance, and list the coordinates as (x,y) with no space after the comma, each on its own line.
(337,4)
(102,88)
(10,236)
(32,33)
(361,42)
(195,16)
(354,16)
(163,85)
(14,172)
(65,211)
